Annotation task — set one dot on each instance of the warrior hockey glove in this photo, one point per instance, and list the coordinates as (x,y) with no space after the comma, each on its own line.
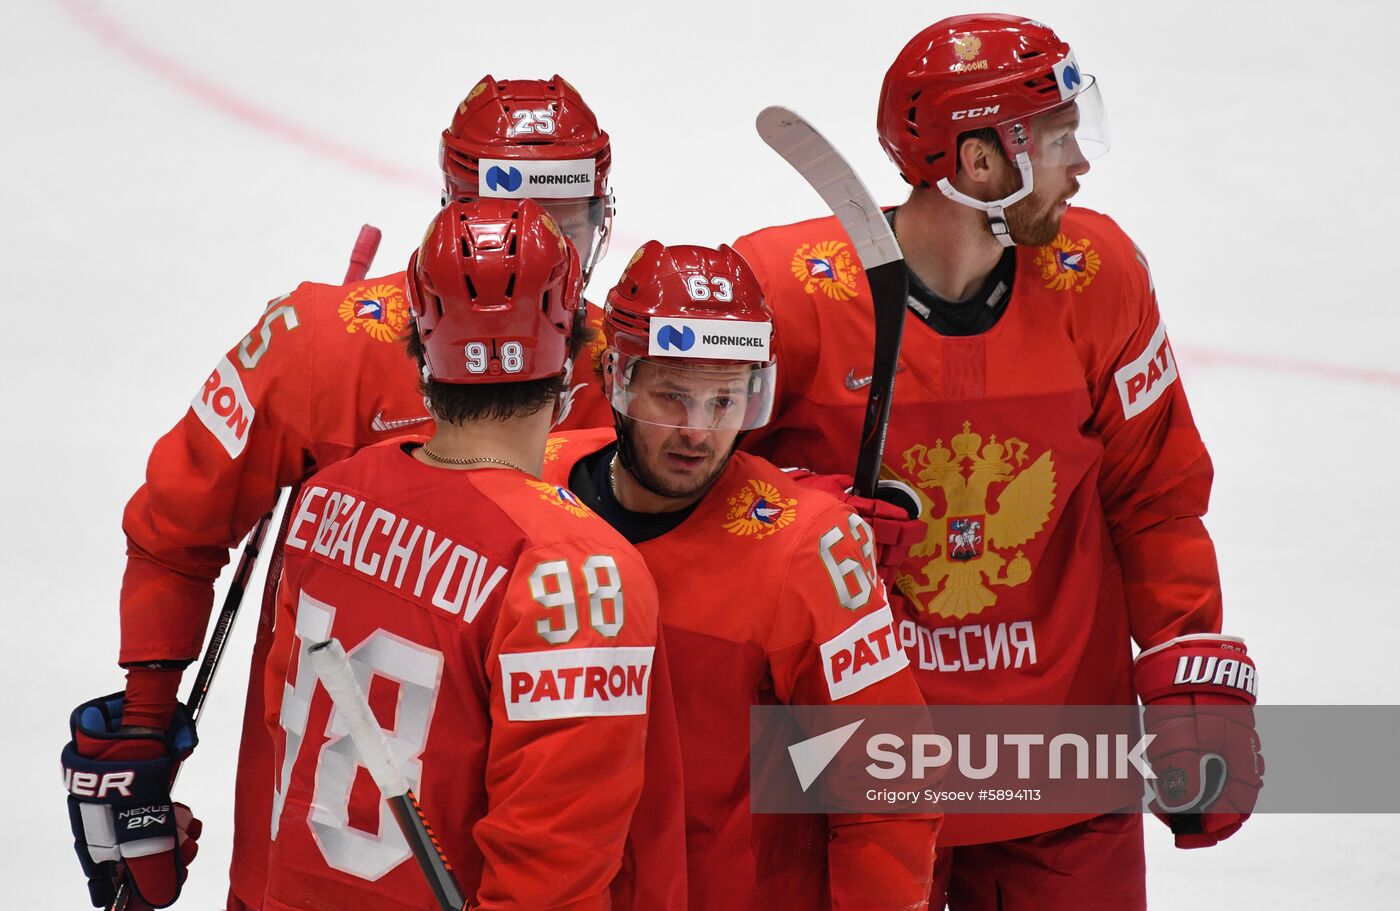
(1199,696)
(894,516)
(119,804)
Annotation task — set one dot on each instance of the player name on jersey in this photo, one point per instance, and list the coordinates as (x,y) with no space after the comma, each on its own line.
(396,552)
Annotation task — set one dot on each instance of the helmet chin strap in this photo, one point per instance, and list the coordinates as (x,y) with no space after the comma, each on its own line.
(996,209)
(564,401)
(600,241)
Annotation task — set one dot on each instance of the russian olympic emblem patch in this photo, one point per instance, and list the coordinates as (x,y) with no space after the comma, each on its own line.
(379,310)
(829,267)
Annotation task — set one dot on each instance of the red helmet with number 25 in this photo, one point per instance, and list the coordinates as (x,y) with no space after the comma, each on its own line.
(984,71)
(690,340)
(535,139)
(494,289)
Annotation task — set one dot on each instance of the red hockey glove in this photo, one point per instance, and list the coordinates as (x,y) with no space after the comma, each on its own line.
(124,822)
(893,516)
(1199,695)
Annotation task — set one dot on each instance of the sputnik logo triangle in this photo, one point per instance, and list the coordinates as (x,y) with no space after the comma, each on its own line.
(810,757)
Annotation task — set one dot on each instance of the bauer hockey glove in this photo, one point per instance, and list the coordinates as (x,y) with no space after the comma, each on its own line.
(894,516)
(119,804)
(1199,692)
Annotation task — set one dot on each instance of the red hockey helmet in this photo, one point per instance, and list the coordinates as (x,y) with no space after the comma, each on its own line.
(493,290)
(987,70)
(536,139)
(690,340)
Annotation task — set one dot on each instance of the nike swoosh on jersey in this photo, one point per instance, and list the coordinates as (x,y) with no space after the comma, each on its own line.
(857,383)
(379,425)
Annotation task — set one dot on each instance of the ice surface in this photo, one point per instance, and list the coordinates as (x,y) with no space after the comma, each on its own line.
(169,167)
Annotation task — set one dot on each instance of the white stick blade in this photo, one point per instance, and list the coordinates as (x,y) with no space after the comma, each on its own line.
(817,160)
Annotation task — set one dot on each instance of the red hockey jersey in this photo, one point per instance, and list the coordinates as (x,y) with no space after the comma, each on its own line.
(757,585)
(1062,478)
(504,635)
(323,373)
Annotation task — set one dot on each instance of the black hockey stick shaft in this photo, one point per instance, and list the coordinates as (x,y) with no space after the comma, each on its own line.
(889,288)
(361,256)
(332,667)
(822,166)
(427,850)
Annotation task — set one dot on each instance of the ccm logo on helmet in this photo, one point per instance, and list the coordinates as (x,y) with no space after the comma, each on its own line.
(570,179)
(223,407)
(976,112)
(866,652)
(576,682)
(1142,381)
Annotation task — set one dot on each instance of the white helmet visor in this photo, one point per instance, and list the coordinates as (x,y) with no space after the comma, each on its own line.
(1074,130)
(587,223)
(676,393)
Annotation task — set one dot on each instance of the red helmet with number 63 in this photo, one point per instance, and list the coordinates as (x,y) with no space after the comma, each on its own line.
(536,139)
(493,290)
(696,318)
(971,72)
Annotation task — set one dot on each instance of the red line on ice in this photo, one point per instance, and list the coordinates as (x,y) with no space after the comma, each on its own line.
(220,99)
(214,96)
(1208,357)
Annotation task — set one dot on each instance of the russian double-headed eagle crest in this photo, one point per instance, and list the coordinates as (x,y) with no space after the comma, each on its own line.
(828,267)
(758,511)
(551,449)
(983,502)
(379,310)
(1066,264)
(967,47)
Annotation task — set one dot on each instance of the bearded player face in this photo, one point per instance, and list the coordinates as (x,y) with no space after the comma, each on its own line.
(682,427)
(1058,161)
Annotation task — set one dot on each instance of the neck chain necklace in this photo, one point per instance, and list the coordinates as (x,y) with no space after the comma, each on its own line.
(447,460)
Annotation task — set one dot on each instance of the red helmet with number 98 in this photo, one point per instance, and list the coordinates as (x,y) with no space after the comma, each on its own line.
(536,139)
(984,71)
(494,289)
(689,340)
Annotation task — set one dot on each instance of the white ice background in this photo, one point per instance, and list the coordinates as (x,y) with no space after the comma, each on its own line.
(165,174)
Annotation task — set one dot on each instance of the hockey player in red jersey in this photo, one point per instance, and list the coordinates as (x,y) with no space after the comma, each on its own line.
(321,374)
(506,632)
(759,577)
(1038,412)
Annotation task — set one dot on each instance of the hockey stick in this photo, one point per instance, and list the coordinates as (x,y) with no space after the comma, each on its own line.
(331,665)
(817,160)
(361,256)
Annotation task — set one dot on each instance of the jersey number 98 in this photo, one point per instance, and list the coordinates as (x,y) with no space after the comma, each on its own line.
(552,586)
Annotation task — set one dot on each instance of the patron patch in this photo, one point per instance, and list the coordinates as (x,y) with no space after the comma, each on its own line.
(576,682)
(866,652)
(222,406)
(1142,382)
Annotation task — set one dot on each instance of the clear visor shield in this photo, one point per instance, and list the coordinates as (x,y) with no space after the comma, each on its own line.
(685,394)
(585,222)
(1076,130)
